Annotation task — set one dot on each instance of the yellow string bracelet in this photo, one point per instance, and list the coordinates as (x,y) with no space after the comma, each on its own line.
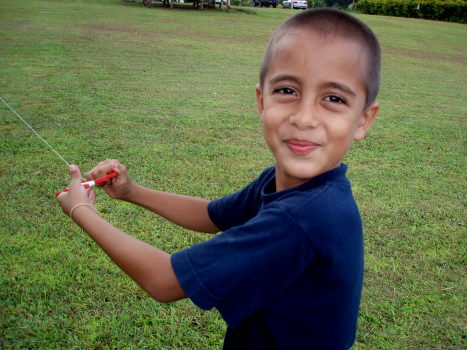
(78,205)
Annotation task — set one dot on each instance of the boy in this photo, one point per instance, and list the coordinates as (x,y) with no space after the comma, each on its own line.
(287,271)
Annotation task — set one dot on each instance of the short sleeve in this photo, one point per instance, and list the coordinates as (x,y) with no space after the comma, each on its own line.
(242,269)
(239,207)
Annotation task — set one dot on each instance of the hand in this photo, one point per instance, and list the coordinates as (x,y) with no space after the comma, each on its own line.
(76,193)
(118,187)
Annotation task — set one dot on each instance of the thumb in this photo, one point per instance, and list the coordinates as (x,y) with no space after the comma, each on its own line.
(75,176)
(115,167)
(121,168)
(118,167)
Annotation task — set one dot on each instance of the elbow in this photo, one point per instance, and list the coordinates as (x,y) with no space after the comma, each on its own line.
(162,284)
(159,297)
(211,228)
(165,292)
(156,292)
(164,296)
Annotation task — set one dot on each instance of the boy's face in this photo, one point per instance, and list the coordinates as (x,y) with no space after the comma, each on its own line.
(312,104)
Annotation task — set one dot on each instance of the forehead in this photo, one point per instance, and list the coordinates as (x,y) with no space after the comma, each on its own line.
(295,38)
(313,52)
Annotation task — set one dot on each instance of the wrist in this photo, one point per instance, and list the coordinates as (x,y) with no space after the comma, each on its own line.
(130,193)
(81,209)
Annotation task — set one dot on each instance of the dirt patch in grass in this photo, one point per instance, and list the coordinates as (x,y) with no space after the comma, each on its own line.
(421,55)
(105,28)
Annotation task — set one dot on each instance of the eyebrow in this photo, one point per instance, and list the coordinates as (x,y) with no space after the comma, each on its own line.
(331,84)
(338,86)
(284,77)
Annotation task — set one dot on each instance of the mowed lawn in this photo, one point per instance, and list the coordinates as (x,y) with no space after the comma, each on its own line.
(171,94)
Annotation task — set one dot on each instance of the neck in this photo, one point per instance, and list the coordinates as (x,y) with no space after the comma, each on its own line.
(284,183)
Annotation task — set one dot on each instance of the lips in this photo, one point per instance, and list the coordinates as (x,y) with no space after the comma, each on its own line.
(301,147)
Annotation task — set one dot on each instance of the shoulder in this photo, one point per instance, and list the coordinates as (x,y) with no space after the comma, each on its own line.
(329,192)
(325,210)
(328,203)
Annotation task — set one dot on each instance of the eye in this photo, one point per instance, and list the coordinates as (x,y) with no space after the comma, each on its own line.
(334,99)
(285,91)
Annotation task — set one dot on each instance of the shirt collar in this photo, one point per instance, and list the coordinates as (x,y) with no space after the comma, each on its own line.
(269,194)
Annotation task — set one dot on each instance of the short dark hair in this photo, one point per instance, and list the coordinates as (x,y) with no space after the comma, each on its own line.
(328,21)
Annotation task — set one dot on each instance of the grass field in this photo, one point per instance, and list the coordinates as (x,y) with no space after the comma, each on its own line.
(171,94)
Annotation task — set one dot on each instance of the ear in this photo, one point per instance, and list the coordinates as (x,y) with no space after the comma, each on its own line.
(366,121)
(259,101)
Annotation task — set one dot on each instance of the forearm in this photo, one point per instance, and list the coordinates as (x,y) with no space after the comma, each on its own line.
(148,266)
(185,211)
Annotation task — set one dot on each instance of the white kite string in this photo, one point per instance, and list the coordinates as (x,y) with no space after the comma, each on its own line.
(34,131)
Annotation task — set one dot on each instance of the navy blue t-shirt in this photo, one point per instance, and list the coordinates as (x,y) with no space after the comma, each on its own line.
(287,271)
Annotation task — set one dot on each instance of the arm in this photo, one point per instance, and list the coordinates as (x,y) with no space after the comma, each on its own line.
(150,267)
(188,212)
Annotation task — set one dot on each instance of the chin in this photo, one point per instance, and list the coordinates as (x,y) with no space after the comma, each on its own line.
(300,174)
(304,173)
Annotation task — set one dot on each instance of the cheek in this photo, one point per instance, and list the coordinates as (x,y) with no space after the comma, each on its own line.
(271,133)
(341,130)
(272,119)
(277,113)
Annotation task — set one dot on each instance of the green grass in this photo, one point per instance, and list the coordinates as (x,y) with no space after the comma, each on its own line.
(171,94)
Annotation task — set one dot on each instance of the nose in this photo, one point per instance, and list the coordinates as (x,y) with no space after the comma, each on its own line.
(305,116)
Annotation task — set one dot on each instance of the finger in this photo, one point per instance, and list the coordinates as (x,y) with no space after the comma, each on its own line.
(61,196)
(115,167)
(88,175)
(75,176)
(121,168)
(95,172)
(101,169)
(92,196)
(112,166)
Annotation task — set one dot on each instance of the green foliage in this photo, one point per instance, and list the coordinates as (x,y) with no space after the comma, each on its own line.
(316,3)
(340,4)
(244,3)
(449,10)
(171,94)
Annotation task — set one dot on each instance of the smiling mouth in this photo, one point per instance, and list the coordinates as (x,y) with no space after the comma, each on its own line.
(301,147)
